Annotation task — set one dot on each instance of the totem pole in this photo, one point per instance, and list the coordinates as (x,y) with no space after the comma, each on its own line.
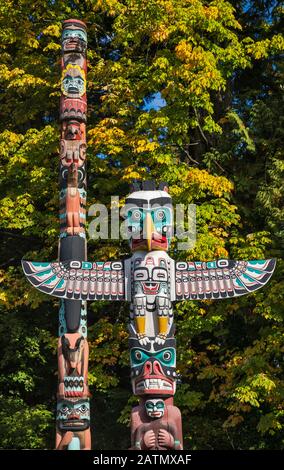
(150,280)
(73,410)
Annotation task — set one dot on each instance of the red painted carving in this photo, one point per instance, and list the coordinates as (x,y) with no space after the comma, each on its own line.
(73,108)
(73,143)
(73,353)
(163,433)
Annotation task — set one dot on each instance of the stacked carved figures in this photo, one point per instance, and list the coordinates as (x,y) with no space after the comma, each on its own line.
(155,422)
(150,280)
(73,420)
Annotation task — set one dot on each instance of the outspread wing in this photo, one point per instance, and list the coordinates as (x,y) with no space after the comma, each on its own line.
(80,280)
(220,279)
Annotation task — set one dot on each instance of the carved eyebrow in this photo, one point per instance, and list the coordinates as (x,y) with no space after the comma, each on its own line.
(161,200)
(143,202)
(138,202)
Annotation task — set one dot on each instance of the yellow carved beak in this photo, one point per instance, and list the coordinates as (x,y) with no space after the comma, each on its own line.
(149,229)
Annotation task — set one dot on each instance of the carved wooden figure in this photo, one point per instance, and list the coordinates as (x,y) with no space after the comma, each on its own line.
(73,409)
(153,366)
(73,143)
(74,205)
(73,103)
(73,420)
(150,280)
(73,424)
(73,356)
(156,425)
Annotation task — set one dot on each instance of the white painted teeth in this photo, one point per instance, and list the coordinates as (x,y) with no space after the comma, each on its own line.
(153,384)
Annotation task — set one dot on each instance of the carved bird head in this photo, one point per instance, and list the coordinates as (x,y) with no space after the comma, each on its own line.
(149,216)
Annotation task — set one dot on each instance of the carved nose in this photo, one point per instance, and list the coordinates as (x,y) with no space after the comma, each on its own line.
(147,367)
(157,368)
(152,367)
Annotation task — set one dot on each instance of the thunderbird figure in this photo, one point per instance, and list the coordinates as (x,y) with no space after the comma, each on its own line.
(150,280)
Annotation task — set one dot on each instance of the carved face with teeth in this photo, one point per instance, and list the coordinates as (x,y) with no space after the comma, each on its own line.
(149,219)
(151,279)
(73,82)
(73,415)
(155,408)
(74,36)
(153,367)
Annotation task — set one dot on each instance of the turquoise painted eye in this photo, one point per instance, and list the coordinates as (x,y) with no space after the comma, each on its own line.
(81,35)
(149,406)
(65,410)
(136,215)
(83,409)
(69,33)
(167,357)
(138,357)
(160,215)
(135,222)
(160,405)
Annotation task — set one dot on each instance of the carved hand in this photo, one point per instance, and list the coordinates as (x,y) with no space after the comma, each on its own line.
(149,439)
(165,439)
(72,151)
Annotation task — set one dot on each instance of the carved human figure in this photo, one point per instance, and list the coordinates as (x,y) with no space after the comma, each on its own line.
(156,426)
(73,143)
(151,295)
(72,202)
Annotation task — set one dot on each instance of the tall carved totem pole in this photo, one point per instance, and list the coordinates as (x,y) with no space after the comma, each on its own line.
(73,421)
(150,280)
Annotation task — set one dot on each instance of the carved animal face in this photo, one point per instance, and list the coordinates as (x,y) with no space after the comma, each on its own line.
(72,349)
(73,82)
(149,219)
(153,367)
(74,39)
(74,130)
(155,408)
(73,415)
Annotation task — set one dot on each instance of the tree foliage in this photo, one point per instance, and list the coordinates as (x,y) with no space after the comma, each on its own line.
(216,138)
